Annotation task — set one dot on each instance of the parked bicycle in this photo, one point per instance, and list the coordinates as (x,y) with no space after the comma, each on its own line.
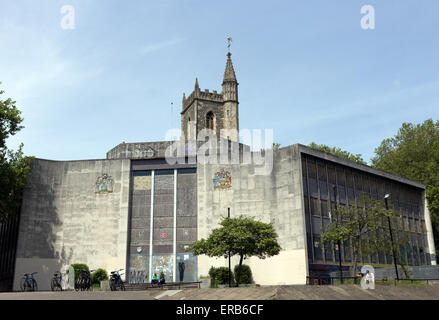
(83,282)
(28,282)
(55,284)
(116,282)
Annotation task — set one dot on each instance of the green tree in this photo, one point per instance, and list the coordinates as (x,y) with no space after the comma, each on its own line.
(14,167)
(242,236)
(414,153)
(365,226)
(338,152)
(275,146)
(99,275)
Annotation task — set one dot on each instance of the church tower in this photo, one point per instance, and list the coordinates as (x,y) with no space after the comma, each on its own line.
(213,110)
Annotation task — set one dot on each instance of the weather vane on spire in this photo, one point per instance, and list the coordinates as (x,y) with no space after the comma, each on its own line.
(229,42)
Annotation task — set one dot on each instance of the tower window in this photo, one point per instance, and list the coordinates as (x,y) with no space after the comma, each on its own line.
(210,119)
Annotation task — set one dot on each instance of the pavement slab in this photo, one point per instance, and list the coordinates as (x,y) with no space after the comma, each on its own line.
(292,292)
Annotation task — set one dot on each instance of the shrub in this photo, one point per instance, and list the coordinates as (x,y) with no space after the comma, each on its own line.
(220,275)
(99,275)
(246,274)
(78,267)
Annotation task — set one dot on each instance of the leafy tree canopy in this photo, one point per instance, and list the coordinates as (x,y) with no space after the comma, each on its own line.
(243,236)
(14,167)
(338,152)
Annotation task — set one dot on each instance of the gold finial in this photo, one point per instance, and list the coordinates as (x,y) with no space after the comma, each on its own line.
(229,42)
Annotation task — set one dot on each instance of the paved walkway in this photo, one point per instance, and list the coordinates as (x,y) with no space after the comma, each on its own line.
(347,292)
(73,295)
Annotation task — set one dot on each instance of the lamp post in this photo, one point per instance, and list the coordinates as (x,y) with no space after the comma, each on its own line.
(339,242)
(230,272)
(387,196)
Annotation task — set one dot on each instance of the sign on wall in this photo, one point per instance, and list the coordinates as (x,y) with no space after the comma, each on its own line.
(142,182)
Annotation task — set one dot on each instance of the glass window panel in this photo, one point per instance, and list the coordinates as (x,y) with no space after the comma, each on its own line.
(351,195)
(358,183)
(305,186)
(415,255)
(310,249)
(366,184)
(412,225)
(340,177)
(380,185)
(422,256)
(328,251)
(387,187)
(304,167)
(312,169)
(349,179)
(323,190)
(315,207)
(313,190)
(305,201)
(331,174)
(318,252)
(324,205)
(410,254)
(316,225)
(322,171)
(373,185)
(342,195)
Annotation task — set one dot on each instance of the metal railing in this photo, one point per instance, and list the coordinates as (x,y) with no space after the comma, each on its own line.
(356,280)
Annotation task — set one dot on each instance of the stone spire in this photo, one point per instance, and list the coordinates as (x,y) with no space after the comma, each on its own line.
(229,73)
(197,87)
(230,85)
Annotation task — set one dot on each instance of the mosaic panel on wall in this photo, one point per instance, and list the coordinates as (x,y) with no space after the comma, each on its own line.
(104,184)
(139,268)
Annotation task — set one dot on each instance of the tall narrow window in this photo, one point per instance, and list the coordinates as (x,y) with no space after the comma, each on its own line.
(189,129)
(210,118)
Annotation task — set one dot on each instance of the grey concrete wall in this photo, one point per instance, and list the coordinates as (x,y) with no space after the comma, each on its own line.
(140,150)
(277,197)
(64,221)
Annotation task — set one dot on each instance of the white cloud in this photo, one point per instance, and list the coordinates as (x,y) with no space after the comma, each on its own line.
(160,45)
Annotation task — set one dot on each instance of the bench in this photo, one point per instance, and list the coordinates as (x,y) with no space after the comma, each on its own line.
(167,286)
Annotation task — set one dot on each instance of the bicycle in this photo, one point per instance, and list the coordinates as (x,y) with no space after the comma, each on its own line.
(55,284)
(83,282)
(116,282)
(28,282)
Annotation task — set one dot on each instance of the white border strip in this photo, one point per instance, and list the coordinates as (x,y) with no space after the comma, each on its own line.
(151,226)
(175,225)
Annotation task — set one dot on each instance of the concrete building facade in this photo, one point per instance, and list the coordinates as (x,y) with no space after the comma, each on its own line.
(138,211)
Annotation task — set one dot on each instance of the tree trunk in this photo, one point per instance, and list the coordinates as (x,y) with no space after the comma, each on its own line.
(354,266)
(238,275)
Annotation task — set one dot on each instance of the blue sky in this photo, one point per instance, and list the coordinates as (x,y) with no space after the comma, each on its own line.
(305,68)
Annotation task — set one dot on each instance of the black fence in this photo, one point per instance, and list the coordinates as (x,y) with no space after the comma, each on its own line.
(325,280)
